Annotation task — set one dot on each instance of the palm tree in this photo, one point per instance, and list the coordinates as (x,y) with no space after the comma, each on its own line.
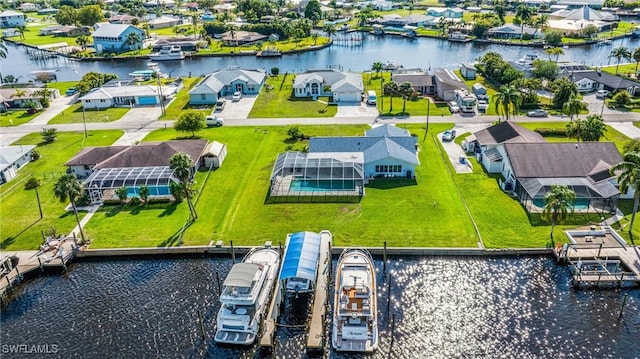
(194,20)
(524,13)
(500,10)
(21,29)
(377,67)
(508,99)
(314,37)
(181,164)
(554,51)
(134,40)
(147,28)
(232,29)
(572,106)
(82,41)
(558,202)
(619,53)
(69,187)
(406,89)
(329,29)
(144,194)
(635,55)
(390,88)
(3,50)
(628,172)
(574,129)
(540,22)
(593,128)
(123,194)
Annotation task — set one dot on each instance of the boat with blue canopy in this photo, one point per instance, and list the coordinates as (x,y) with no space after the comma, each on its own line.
(300,264)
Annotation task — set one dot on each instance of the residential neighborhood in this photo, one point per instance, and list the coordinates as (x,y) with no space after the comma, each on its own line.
(319,178)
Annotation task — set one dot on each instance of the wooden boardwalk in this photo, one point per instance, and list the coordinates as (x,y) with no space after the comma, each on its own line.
(315,335)
(600,257)
(29,261)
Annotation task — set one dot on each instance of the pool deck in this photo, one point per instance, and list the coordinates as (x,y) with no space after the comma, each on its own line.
(283,188)
(592,249)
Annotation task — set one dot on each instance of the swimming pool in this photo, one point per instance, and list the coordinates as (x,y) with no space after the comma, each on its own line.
(153,191)
(322,185)
(579,204)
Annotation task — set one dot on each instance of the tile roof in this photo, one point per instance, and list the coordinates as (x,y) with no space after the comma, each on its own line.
(216,81)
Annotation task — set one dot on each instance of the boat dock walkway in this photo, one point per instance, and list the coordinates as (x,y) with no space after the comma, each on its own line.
(54,256)
(316,330)
(600,257)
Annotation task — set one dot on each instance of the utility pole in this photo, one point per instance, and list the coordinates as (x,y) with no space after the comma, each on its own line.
(84,122)
(382,94)
(427,129)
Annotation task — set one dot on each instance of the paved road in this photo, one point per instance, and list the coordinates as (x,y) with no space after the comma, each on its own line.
(142,120)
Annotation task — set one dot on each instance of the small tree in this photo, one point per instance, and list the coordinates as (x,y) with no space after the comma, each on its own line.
(558,202)
(275,71)
(622,98)
(35,155)
(122,193)
(181,164)
(49,135)
(144,194)
(294,133)
(190,121)
(69,187)
(593,128)
(631,146)
(32,183)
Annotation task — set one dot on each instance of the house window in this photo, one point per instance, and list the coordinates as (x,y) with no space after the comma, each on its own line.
(102,100)
(203,96)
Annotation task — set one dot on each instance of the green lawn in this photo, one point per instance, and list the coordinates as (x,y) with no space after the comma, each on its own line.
(181,102)
(15,118)
(21,226)
(62,86)
(232,204)
(74,115)
(32,37)
(611,134)
(280,103)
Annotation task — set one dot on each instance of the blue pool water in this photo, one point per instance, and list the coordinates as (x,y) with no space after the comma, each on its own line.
(153,191)
(580,203)
(322,185)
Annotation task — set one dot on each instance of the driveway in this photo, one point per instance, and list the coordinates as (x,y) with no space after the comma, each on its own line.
(455,151)
(596,106)
(356,109)
(238,109)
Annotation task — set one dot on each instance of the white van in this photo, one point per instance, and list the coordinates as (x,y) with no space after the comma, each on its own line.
(372,99)
(214,121)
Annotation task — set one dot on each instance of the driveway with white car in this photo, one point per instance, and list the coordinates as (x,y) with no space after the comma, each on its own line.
(455,152)
(355,109)
(237,109)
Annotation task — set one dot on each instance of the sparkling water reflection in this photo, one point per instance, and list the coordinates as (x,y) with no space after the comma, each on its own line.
(444,308)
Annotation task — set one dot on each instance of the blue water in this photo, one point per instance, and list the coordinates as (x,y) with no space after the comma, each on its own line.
(579,204)
(322,186)
(153,191)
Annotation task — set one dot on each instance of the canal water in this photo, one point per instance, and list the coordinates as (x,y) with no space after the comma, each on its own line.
(411,53)
(444,307)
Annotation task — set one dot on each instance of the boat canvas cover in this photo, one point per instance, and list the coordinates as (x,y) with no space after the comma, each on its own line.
(301,259)
(241,275)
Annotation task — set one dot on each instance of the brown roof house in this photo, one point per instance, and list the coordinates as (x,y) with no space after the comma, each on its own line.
(530,166)
(147,164)
(421,81)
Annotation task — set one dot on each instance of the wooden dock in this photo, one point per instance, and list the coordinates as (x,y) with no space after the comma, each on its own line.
(600,257)
(268,324)
(316,329)
(29,261)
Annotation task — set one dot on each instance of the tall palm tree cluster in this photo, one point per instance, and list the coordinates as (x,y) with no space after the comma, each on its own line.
(620,53)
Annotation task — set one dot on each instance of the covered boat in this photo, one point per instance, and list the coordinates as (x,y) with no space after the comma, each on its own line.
(245,297)
(300,263)
(355,326)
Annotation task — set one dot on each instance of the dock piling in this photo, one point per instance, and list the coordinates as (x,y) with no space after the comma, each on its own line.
(218,282)
(201,325)
(233,253)
(384,258)
(388,294)
(40,264)
(393,329)
(624,302)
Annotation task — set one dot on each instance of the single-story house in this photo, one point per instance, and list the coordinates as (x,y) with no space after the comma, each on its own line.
(381,5)
(48,11)
(226,82)
(121,19)
(446,12)
(340,166)
(164,22)
(29,6)
(577,26)
(48,30)
(447,83)
(342,86)
(468,71)
(169,4)
(104,169)
(71,31)
(185,45)
(583,13)
(127,95)
(593,80)
(241,38)
(576,4)
(421,81)
(511,31)
(12,158)
(9,100)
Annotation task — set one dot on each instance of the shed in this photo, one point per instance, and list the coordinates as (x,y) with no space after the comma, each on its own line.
(214,154)
(468,71)
(479,90)
(300,264)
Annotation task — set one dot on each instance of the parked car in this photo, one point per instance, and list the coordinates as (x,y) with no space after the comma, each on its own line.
(236,96)
(449,135)
(214,121)
(602,93)
(71,91)
(537,113)
(220,104)
(453,107)
(482,105)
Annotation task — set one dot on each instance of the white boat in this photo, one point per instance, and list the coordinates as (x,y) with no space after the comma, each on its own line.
(355,325)
(168,53)
(245,297)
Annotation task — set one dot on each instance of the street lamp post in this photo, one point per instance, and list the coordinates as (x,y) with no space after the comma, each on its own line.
(382,95)
(84,122)
(427,128)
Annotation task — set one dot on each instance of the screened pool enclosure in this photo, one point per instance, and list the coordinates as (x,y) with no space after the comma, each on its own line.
(101,184)
(318,175)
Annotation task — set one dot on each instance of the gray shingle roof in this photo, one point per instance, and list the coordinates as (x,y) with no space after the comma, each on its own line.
(374,148)
(216,81)
(386,131)
(153,154)
(567,159)
(416,79)
(94,155)
(448,77)
(507,132)
(330,78)
(611,81)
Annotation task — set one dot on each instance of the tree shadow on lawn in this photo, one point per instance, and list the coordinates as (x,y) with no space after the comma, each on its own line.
(11,239)
(169,210)
(171,241)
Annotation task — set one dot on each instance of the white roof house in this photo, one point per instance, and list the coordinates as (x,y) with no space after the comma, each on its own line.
(344,86)
(11,159)
(127,95)
(226,82)
(163,22)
